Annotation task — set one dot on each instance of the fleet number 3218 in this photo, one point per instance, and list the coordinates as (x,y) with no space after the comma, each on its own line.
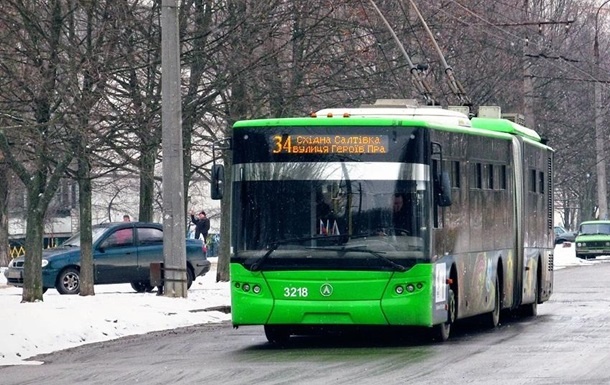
(295,292)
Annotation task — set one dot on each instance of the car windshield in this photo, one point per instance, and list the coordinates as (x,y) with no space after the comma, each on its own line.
(74,241)
(595,228)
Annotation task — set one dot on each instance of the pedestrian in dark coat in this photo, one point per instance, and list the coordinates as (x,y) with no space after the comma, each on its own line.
(202,225)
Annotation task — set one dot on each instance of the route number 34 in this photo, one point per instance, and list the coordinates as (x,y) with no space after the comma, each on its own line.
(296,292)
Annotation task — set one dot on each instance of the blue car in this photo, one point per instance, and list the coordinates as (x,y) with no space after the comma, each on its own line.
(122,253)
(563,236)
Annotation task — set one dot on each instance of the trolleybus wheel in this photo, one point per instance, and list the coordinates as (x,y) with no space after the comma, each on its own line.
(531,309)
(277,334)
(442,331)
(493,318)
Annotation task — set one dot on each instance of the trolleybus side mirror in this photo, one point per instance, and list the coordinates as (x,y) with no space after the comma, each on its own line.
(217,181)
(444,190)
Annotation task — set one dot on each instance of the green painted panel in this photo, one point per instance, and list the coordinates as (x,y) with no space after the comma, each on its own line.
(331,297)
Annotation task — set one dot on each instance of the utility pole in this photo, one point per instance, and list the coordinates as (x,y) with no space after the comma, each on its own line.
(600,151)
(174,239)
(528,75)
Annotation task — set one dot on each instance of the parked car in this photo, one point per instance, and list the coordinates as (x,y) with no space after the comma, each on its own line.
(593,239)
(122,253)
(562,235)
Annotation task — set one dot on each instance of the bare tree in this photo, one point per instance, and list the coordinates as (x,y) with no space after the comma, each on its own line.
(91,43)
(4,235)
(37,151)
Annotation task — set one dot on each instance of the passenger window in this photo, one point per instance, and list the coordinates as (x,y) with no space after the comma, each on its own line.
(149,236)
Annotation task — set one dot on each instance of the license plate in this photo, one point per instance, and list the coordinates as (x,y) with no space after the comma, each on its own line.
(14,275)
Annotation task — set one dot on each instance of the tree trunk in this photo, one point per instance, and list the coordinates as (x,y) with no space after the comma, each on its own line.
(87,273)
(147,184)
(32,280)
(4,235)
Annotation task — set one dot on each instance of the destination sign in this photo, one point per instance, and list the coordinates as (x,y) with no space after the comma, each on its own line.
(329,144)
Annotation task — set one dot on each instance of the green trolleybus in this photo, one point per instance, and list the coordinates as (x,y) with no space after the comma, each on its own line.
(408,216)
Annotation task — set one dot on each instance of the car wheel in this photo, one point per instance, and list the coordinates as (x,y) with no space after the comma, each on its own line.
(190,277)
(141,286)
(68,281)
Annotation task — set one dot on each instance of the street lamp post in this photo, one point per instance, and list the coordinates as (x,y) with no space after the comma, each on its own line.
(600,155)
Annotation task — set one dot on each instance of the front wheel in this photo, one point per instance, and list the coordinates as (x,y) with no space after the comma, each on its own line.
(141,286)
(68,281)
(277,334)
(442,331)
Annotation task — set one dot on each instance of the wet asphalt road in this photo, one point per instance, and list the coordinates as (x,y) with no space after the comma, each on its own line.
(568,343)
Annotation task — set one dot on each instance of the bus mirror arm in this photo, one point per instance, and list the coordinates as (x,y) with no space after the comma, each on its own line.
(444,190)
(442,181)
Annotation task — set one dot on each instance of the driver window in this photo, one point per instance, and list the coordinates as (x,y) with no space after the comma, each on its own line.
(119,238)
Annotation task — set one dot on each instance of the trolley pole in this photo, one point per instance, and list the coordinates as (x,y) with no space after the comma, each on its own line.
(174,242)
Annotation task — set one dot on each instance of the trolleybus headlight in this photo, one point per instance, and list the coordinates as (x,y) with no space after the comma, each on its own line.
(256,289)
(237,285)
(399,289)
(410,288)
(246,287)
(419,285)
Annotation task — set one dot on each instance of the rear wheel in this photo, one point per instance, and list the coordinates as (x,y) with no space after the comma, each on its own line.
(277,334)
(442,331)
(68,281)
(493,318)
(531,309)
(190,277)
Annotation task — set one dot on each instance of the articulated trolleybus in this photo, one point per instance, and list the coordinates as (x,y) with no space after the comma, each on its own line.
(397,216)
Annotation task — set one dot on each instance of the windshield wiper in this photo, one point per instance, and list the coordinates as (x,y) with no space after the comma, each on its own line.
(363,248)
(256,266)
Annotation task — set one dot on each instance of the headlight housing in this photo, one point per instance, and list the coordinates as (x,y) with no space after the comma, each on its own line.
(11,263)
(45,262)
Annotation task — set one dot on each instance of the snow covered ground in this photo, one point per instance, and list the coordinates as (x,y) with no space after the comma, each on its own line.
(65,321)
(62,321)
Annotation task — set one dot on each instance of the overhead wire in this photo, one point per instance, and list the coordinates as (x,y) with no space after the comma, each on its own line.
(587,76)
(505,31)
(576,69)
(418,81)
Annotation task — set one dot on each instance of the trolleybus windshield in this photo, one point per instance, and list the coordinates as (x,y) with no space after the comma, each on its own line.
(330,208)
